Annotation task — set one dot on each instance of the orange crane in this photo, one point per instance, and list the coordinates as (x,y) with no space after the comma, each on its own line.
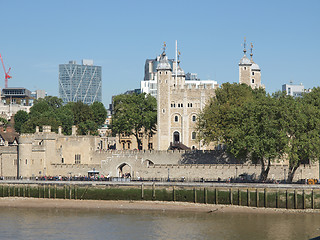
(6,74)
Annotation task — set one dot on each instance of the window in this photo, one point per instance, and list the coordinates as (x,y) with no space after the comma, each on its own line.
(190,104)
(140,135)
(252,73)
(163,110)
(178,104)
(26,161)
(194,118)
(193,135)
(128,145)
(252,80)
(62,160)
(176,118)
(245,68)
(181,104)
(77,158)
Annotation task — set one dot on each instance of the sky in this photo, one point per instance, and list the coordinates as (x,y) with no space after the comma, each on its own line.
(120,35)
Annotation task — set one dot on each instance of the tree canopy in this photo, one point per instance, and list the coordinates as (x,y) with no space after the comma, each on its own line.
(51,111)
(134,113)
(262,128)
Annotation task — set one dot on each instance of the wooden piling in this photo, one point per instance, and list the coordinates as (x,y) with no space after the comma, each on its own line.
(295,199)
(287,199)
(248,197)
(142,191)
(230,196)
(195,195)
(55,191)
(312,199)
(257,197)
(216,196)
(205,192)
(153,191)
(239,196)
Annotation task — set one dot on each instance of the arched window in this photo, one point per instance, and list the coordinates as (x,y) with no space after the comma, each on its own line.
(193,135)
(194,118)
(176,118)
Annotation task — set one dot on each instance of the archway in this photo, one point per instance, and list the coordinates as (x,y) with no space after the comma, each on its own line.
(176,137)
(124,170)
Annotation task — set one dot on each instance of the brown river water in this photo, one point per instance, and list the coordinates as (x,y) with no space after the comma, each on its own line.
(25,223)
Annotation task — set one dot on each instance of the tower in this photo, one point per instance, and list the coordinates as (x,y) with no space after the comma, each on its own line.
(164,79)
(80,82)
(249,71)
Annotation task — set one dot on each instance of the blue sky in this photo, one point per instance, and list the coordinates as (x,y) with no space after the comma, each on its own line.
(37,36)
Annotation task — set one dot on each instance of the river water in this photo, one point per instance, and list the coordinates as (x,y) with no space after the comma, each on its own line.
(23,223)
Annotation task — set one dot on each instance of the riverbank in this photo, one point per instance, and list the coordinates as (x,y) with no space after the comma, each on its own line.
(15,202)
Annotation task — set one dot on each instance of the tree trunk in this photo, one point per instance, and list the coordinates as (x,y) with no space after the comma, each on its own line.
(138,141)
(291,172)
(264,171)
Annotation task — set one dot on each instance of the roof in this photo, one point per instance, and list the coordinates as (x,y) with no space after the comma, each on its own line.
(163,63)
(255,67)
(9,136)
(244,61)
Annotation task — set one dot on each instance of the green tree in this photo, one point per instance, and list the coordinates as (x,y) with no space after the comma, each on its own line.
(300,120)
(99,113)
(134,113)
(247,122)
(19,119)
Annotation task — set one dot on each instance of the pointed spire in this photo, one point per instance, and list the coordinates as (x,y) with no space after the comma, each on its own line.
(244,46)
(164,48)
(251,54)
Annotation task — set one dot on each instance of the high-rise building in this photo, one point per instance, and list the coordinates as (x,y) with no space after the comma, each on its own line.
(80,82)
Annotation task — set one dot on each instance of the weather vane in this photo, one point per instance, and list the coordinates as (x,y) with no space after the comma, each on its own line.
(164,46)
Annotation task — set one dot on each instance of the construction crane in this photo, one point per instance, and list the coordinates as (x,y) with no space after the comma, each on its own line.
(6,74)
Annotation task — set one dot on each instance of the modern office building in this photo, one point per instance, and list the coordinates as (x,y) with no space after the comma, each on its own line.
(295,90)
(80,82)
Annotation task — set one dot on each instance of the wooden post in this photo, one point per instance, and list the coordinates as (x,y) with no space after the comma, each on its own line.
(29,191)
(303,200)
(55,191)
(173,194)
(44,191)
(38,191)
(8,190)
(70,192)
(248,197)
(239,197)
(142,191)
(265,198)
(216,196)
(18,194)
(2,190)
(153,191)
(295,199)
(277,198)
(195,195)
(24,191)
(205,192)
(257,197)
(49,192)
(287,196)
(65,191)
(230,196)
(312,199)
(14,190)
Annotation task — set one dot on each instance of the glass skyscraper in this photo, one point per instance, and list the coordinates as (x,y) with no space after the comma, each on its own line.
(80,82)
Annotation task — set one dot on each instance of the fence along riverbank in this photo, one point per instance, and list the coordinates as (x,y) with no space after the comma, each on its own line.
(291,197)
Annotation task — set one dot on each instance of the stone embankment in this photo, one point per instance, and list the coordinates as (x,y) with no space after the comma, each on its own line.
(282,196)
